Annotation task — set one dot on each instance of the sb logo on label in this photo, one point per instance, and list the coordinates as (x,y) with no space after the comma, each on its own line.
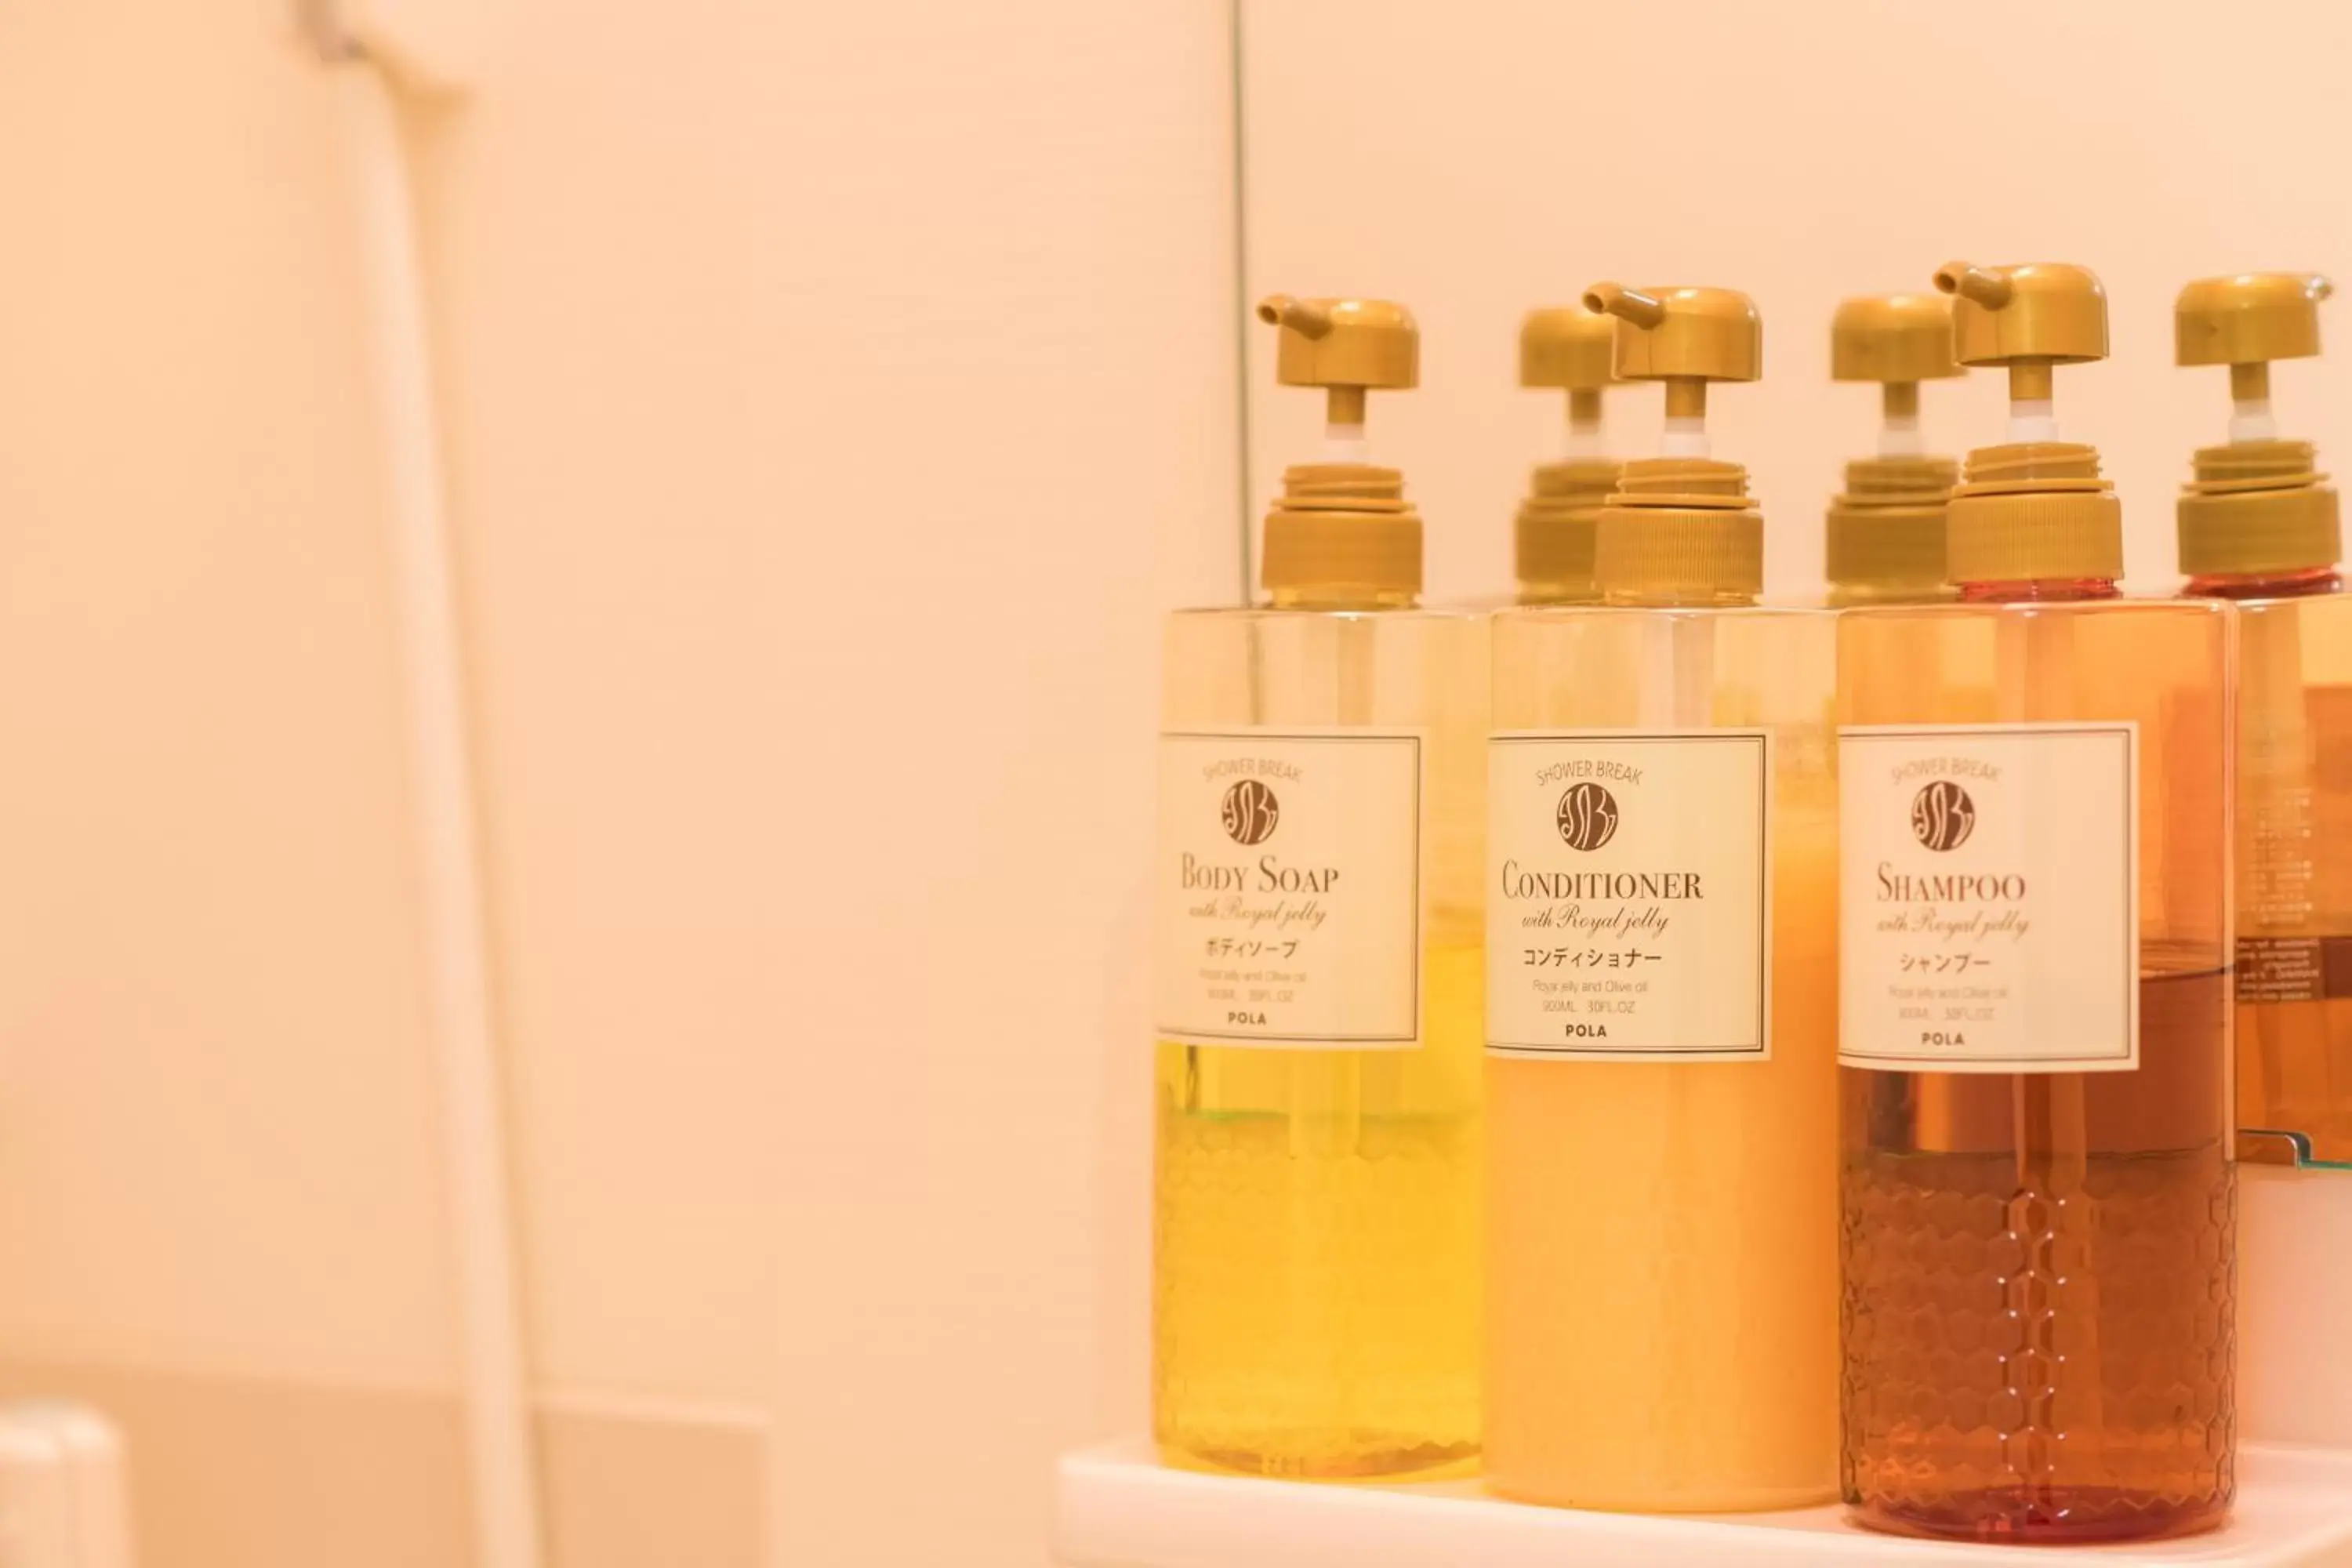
(1942,816)
(1249,812)
(1586,817)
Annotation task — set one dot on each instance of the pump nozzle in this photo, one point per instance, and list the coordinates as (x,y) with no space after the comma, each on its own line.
(1626,304)
(2258,504)
(1898,340)
(2034,508)
(2245,321)
(1285,310)
(1885,534)
(1685,338)
(1345,346)
(1977,285)
(1341,533)
(1681,527)
(2029,317)
(1570,347)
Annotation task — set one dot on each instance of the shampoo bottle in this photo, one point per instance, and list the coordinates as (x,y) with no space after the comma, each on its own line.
(1661,985)
(1315,1216)
(1568,348)
(2037,1189)
(1884,538)
(2258,526)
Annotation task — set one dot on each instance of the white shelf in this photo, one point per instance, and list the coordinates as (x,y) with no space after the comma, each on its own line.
(1119,1508)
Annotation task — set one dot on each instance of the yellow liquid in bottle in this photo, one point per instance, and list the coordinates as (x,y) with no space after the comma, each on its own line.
(1317,1248)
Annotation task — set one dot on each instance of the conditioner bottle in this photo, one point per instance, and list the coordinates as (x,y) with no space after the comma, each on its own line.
(1661,991)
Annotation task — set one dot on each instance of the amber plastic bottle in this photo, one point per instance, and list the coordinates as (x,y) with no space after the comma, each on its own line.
(2037,1184)
(2259,527)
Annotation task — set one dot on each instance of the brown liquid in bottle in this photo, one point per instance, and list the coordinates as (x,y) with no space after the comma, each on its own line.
(2039,1267)
(2294,874)
(2038,1292)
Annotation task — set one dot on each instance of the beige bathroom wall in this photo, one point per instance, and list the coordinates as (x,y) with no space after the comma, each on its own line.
(218,1133)
(1479,157)
(839,395)
(834,400)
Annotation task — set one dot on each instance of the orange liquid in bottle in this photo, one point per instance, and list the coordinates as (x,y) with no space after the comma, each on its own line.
(2039,1267)
(2293,987)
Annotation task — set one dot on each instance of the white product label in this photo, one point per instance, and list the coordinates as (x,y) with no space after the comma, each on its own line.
(1988,894)
(1288,887)
(1629,912)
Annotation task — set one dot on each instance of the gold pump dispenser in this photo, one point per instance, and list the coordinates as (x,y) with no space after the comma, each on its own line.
(2256,505)
(1885,534)
(1680,528)
(2034,508)
(1569,348)
(1342,533)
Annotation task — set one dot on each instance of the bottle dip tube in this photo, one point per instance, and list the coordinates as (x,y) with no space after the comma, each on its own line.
(1317,1139)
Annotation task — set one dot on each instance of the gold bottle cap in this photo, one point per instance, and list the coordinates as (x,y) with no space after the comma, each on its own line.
(1680,528)
(2257,504)
(1894,339)
(2034,508)
(1571,348)
(1884,538)
(1342,532)
(1556,532)
(1567,346)
(2043,312)
(2251,318)
(1682,334)
(1883,535)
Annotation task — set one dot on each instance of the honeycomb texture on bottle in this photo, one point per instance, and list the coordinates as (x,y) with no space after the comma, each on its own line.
(1317,1275)
(1316,1211)
(2059,1358)
(2039,1339)
(1316,1293)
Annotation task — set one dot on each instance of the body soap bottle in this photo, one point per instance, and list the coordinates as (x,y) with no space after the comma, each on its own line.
(2258,525)
(1567,347)
(1884,538)
(1662,991)
(2037,1188)
(1315,1226)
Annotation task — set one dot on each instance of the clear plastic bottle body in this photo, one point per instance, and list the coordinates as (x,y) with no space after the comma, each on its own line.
(1317,1212)
(2039,1267)
(2294,979)
(1661,1250)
